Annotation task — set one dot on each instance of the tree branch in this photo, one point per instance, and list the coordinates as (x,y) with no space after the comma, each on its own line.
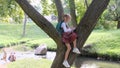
(43,23)
(88,22)
(60,10)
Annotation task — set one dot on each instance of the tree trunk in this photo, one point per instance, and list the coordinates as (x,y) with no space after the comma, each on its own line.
(118,25)
(73,12)
(24,25)
(59,7)
(84,29)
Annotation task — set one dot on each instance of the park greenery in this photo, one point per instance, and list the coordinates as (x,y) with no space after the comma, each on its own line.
(104,39)
(31,63)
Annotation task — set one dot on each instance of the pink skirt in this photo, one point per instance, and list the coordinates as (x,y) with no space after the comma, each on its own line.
(68,37)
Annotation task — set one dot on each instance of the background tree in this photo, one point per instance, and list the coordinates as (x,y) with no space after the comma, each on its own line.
(46,7)
(10,11)
(84,29)
(60,10)
(24,25)
(114,12)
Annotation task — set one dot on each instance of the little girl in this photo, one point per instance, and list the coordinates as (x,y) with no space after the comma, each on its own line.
(68,36)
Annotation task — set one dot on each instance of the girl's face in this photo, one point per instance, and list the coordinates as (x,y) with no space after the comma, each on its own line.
(67,19)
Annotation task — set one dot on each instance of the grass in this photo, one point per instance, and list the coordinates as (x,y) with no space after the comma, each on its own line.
(12,33)
(103,41)
(30,63)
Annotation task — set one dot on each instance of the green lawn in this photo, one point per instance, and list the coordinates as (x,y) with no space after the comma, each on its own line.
(12,33)
(30,63)
(105,42)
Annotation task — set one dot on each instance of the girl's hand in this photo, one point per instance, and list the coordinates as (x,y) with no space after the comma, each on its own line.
(73,28)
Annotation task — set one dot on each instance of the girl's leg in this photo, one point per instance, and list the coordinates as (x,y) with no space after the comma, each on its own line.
(68,50)
(74,43)
(65,62)
(75,49)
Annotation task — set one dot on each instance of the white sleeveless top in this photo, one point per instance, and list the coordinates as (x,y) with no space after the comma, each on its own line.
(65,28)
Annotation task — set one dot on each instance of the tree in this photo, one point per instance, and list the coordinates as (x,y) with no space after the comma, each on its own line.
(60,10)
(114,12)
(83,30)
(24,25)
(10,11)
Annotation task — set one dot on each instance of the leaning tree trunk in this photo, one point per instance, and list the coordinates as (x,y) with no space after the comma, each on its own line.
(73,12)
(118,25)
(84,29)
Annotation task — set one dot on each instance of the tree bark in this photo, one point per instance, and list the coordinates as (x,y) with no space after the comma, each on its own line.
(84,29)
(73,12)
(118,25)
(60,10)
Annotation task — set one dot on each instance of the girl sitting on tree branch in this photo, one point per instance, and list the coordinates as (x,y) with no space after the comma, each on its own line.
(68,36)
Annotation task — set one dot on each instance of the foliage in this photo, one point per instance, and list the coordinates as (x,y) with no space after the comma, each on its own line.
(80,9)
(48,7)
(113,10)
(104,23)
(10,11)
(110,16)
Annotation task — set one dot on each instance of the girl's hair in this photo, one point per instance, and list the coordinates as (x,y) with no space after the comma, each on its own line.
(66,15)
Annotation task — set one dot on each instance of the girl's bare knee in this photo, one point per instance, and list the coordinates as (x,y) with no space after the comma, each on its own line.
(69,48)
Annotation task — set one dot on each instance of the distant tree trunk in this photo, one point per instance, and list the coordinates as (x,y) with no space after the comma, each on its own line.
(118,25)
(84,29)
(24,25)
(73,12)
(60,10)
